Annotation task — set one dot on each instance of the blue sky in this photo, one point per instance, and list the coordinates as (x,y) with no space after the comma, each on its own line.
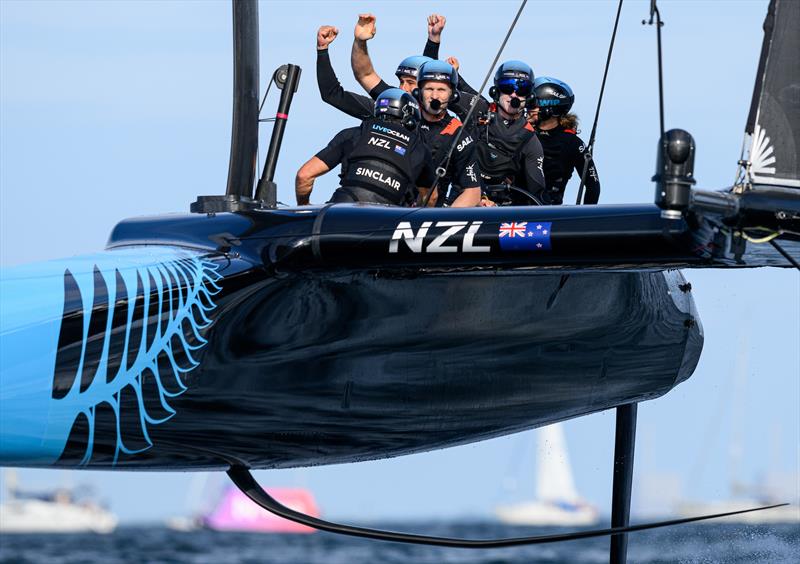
(113,110)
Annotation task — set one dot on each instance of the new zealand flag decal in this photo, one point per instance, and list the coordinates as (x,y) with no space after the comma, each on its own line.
(400,150)
(525,236)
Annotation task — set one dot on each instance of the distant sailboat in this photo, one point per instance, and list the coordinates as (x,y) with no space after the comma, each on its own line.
(557,501)
(54,511)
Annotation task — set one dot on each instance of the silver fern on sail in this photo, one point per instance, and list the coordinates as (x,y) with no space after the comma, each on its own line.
(762,156)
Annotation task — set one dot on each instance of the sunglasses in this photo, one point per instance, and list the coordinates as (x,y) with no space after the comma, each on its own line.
(521,86)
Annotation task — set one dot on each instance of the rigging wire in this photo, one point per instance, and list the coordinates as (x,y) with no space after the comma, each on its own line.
(659,25)
(786,255)
(587,154)
(441,170)
(765,239)
(769,238)
(261,107)
(264,99)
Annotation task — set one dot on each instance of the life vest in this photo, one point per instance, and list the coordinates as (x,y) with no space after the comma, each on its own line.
(439,138)
(380,160)
(498,148)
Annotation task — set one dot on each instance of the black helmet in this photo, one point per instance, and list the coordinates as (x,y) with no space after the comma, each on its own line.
(410,65)
(441,71)
(554,98)
(512,76)
(398,104)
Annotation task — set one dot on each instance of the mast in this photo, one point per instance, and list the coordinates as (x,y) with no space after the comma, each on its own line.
(244,130)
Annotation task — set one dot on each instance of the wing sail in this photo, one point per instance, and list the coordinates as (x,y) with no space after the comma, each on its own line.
(773,125)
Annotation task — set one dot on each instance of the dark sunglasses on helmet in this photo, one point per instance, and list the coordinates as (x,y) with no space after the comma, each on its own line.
(521,86)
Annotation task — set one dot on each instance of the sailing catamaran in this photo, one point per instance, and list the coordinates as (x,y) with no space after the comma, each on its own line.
(245,336)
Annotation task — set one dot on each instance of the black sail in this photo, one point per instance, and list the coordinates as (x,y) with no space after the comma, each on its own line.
(774,120)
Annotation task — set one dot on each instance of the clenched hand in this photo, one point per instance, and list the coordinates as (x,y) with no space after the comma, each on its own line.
(325,36)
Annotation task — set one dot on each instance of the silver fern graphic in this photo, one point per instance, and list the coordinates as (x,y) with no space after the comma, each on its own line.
(133,333)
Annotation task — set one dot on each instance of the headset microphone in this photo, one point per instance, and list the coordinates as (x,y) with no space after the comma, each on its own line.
(515,103)
(436,105)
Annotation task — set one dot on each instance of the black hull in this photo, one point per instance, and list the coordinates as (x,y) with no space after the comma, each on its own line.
(323,342)
(318,369)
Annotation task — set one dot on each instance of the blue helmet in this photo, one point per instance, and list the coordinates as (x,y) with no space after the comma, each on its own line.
(398,104)
(512,76)
(410,65)
(438,70)
(554,98)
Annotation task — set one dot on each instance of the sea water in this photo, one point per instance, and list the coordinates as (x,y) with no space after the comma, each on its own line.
(694,543)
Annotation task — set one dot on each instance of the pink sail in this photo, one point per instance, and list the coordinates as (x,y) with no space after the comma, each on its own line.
(236,512)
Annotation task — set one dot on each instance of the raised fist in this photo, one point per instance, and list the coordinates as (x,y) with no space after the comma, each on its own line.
(435,27)
(365,27)
(453,62)
(325,36)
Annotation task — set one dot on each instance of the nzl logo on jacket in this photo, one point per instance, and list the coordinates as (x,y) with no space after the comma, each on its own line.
(438,237)
(386,144)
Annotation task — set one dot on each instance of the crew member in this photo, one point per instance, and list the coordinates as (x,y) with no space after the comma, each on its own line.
(356,105)
(382,160)
(438,84)
(563,149)
(508,150)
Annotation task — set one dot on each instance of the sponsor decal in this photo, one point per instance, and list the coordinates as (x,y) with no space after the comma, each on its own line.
(383,102)
(470,170)
(390,132)
(549,102)
(525,236)
(439,76)
(410,71)
(378,176)
(464,142)
(378,142)
(445,240)
(540,164)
